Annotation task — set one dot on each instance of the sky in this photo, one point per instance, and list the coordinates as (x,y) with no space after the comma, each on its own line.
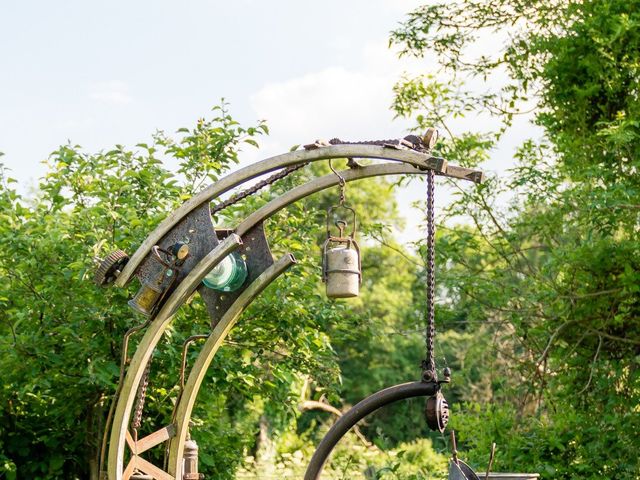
(104,73)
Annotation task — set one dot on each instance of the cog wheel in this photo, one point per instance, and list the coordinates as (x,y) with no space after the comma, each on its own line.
(437,412)
(109,268)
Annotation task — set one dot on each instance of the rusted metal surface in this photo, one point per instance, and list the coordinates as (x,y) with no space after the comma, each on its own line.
(110,267)
(410,156)
(437,412)
(257,256)
(357,413)
(197,233)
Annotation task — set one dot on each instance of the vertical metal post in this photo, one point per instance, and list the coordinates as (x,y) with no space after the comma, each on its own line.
(190,459)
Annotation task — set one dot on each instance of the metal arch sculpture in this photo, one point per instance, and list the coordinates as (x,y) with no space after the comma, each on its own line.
(192,221)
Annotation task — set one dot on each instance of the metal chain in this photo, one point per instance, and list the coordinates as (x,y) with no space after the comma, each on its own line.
(233,199)
(411,141)
(142,395)
(429,364)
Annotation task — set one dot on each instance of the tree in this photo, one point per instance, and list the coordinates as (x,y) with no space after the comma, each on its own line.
(552,275)
(60,335)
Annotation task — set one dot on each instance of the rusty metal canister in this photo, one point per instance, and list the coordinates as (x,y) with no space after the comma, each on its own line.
(342,271)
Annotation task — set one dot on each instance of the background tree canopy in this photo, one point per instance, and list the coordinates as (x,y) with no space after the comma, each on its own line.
(538,275)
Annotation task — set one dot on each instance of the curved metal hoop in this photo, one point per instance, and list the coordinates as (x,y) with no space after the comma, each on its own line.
(163,319)
(208,351)
(357,413)
(411,157)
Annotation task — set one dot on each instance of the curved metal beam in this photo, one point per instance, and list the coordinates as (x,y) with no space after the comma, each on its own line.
(148,343)
(188,285)
(323,183)
(357,413)
(209,349)
(297,157)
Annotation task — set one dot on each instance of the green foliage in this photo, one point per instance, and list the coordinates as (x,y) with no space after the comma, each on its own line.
(545,286)
(59,334)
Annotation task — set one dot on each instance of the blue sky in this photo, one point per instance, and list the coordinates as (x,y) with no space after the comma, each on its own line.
(105,73)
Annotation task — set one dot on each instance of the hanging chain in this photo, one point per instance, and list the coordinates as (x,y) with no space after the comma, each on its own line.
(429,364)
(343,184)
(142,395)
(233,199)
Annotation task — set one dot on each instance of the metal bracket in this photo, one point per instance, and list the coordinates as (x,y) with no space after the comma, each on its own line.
(196,230)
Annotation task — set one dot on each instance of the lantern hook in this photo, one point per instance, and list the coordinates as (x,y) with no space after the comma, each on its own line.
(343,184)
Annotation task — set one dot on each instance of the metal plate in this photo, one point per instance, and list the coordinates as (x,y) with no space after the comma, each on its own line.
(196,230)
(257,255)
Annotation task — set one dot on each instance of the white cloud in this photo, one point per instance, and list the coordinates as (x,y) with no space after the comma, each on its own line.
(354,104)
(114,92)
(334,102)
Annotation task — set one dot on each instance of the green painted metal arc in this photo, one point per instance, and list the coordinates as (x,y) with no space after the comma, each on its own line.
(146,346)
(208,351)
(188,285)
(296,157)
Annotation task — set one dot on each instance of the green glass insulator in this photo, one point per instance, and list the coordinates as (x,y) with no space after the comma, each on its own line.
(229,275)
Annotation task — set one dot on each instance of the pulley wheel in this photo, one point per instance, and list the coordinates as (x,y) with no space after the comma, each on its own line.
(110,267)
(437,412)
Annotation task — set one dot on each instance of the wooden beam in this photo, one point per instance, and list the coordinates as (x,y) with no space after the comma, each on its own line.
(150,469)
(126,475)
(156,438)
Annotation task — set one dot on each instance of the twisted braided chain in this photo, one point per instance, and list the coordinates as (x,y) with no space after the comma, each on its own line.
(142,395)
(410,141)
(429,364)
(258,186)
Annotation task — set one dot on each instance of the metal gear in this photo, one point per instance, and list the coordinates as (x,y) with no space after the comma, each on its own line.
(437,412)
(110,267)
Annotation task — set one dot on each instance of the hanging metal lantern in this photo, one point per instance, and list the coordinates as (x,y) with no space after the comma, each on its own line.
(341,268)
(146,297)
(158,277)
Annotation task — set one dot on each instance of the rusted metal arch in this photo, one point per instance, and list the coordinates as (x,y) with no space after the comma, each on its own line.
(141,357)
(357,413)
(153,334)
(208,351)
(411,157)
